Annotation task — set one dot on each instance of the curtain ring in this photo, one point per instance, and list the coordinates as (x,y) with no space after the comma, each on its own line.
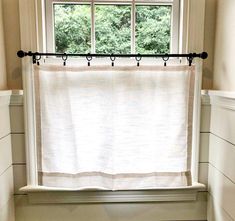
(190,59)
(165,59)
(89,58)
(64,58)
(138,59)
(112,58)
(37,58)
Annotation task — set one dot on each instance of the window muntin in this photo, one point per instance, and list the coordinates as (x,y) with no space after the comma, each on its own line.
(122,40)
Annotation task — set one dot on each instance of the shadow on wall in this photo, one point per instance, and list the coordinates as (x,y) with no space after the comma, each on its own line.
(12,43)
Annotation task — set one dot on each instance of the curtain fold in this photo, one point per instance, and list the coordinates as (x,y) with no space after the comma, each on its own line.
(114,127)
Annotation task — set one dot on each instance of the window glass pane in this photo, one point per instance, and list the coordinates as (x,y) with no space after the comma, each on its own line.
(153,29)
(113,28)
(72,28)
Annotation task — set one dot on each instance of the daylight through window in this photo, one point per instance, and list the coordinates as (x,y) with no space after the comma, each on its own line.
(113,27)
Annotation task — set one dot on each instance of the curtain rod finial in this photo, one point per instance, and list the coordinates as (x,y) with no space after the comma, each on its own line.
(204,55)
(20,54)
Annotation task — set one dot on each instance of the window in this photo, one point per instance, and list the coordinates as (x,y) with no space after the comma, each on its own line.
(190,38)
(75,26)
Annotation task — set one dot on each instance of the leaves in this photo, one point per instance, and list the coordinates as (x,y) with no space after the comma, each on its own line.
(153,26)
(112,28)
(72,28)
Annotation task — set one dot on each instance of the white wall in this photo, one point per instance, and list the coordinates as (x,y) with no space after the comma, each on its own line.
(221,201)
(209,43)
(224,68)
(6,170)
(12,42)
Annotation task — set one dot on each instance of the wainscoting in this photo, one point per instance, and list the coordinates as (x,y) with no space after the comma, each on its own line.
(6,170)
(221,179)
(191,210)
(216,169)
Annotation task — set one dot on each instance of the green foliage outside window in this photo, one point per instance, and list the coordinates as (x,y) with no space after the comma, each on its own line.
(112,28)
(72,28)
(153,29)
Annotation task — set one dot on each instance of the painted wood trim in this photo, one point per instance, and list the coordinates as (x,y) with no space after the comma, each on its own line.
(30,29)
(218,93)
(189,210)
(222,156)
(196,17)
(223,190)
(5,92)
(17,119)
(204,147)
(50,195)
(203,173)
(196,122)
(215,211)
(205,98)
(192,25)
(98,197)
(5,154)
(19,174)
(6,186)
(5,97)
(7,212)
(224,99)
(5,128)
(18,148)
(224,102)
(205,118)
(17,98)
(222,123)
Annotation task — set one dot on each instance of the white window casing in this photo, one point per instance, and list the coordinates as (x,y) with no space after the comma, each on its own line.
(191,22)
(50,42)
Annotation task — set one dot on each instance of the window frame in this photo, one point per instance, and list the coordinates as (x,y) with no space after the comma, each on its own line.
(32,26)
(175,20)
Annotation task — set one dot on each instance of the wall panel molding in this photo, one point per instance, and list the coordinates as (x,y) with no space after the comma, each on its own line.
(221,178)
(5,154)
(222,156)
(6,171)
(190,210)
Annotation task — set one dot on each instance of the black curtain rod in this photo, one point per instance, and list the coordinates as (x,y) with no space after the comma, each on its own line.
(202,55)
(37,55)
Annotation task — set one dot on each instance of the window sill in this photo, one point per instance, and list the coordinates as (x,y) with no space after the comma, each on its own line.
(43,195)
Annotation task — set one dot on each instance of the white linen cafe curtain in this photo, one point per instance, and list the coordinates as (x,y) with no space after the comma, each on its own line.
(114,127)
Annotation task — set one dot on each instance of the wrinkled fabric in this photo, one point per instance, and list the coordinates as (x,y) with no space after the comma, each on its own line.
(114,128)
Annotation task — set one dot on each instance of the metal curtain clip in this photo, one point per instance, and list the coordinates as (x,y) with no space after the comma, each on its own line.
(64,58)
(138,59)
(37,59)
(112,58)
(165,59)
(89,58)
(190,59)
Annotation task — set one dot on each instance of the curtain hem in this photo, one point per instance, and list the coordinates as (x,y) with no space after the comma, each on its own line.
(116,182)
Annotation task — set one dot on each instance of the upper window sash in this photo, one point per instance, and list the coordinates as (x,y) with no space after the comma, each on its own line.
(113,1)
(174,44)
